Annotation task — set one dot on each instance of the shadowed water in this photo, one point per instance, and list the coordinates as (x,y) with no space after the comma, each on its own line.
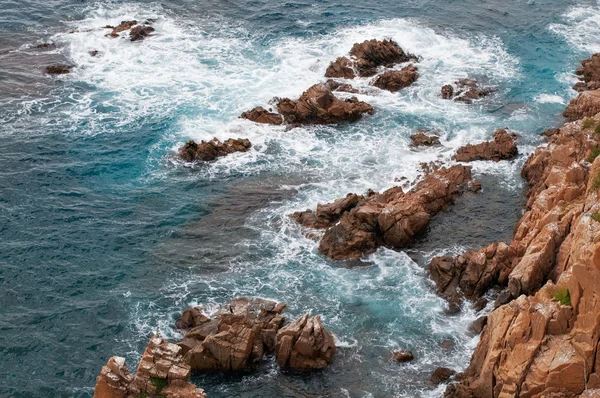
(106,238)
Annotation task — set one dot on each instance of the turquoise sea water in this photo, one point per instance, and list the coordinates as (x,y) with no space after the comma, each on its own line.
(105,237)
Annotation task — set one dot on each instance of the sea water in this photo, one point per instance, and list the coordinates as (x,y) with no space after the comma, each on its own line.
(105,237)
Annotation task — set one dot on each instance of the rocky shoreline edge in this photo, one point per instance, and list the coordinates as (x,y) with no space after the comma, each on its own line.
(542,337)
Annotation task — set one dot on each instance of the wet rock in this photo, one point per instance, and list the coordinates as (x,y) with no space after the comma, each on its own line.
(441,375)
(46,46)
(586,104)
(122,27)
(58,69)
(261,115)
(191,317)
(140,32)
(342,87)
(236,337)
(504,146)
(478,324)
(395,80)
(393,218)
(504,297)
(447,91)
(94,53)
(403,355)
(480,304)
(161,372)
(210,150)
(305,344)
(425,138)
(464,90)
(447,344)
(326,214)
(341,67)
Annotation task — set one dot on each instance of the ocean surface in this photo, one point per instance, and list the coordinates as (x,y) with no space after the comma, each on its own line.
(105,237)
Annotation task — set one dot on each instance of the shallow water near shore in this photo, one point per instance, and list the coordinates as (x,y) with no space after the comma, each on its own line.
(106,237)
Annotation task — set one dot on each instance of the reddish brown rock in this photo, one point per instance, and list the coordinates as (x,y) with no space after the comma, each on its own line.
(403,355)
(161,372)
(236,337)
(342,87)
(504,146)
(464,90)
(261,115)
(341,67)
(447,91)
(395,80)
(140,32)
(441,375)
(425,138)
(123,26)
(586,104)
(326,214)
(392,218)
(210,150)
(58,69)
(318,105)
(305,344)
(589,74)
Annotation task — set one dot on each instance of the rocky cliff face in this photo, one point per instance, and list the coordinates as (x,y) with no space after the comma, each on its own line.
(544,342)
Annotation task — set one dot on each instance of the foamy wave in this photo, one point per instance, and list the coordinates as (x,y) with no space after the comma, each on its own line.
(549,99)
(580,28)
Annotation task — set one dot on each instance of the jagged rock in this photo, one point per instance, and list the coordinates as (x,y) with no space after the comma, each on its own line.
(464,90)
(392,218)
(395,80)
(261,115)
(161,371)
(210,150)
(342,87)
(403,355)
(425,138)
(123,26)
(192,317)
(305,344)
(58,69)
(586,104)
(341,67)
(441,375)
(504,146)
(480,304)
(235,338)
(366,57)
(589,74)
(326,214)
(140,32)
(478,324)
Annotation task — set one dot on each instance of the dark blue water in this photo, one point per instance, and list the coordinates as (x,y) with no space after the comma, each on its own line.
(105,237)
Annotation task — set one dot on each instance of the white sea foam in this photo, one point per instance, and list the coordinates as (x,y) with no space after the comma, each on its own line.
(549,99)
(580,27)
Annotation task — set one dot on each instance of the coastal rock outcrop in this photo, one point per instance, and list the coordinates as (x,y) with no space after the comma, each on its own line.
(425,138)
(367,57)
(317,105)
(392,218)
(504,146)
(136,32)
(305,344)
(589,74)
(122,27)
(234,338)
(140,32)
(395,80)
(161,372)
(586,104)
(464,90)
(210,150)
(261,115)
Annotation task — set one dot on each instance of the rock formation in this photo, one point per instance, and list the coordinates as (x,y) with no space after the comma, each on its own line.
(504,146)
(589,74)
(122,27)
(210,150)
(425,138)
(140,32)
(341,87)
(136,32)
(464,90)
(367,57)
(542,339)
(392,218)
(161,373)
(586,104)
(305,344)
(58,69)
(317,105)
(395,80)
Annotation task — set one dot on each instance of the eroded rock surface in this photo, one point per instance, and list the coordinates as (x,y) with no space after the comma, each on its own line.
(305,344)
(425,138)
(586,104)
(503,146)
(161,372)
(392,218)
(395,80)
(213,149)
(589,74)
(261,115)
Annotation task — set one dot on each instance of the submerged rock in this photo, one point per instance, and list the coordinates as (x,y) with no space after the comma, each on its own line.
(392,218)
(395,80)
(210,150)
(504,146)
(161,372)
(58,69)
(305,344)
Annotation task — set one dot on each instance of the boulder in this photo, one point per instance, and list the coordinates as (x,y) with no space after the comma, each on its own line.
(395,80)
(342,87)
(403,355)
(425,138)
(447,91)
(161,372)
(210,150)
(305,344)
(341,67)
(261,115)
(503,147)
(123,26)
(236,337)
(140,32)
(58,69)
(464,90)
(441,375)
(392,218)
